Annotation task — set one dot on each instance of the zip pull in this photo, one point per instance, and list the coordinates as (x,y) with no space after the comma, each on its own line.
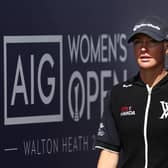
(149,89)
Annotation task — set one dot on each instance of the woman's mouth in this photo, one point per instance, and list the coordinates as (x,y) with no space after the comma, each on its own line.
(145,58)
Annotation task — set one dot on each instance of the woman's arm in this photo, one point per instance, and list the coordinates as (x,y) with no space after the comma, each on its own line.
(108,159)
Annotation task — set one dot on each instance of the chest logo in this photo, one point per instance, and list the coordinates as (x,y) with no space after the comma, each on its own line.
(127,111)
(165,110)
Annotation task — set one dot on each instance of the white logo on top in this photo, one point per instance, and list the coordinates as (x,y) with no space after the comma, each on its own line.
(101,131)
(126,86)
(146,25)
(165,109)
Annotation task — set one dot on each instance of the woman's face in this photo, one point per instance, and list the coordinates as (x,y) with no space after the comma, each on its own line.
(149,53)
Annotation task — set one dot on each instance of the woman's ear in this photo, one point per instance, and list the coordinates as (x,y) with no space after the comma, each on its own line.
(166,47)
(166,54)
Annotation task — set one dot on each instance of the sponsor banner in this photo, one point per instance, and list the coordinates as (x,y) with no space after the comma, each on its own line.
(54,90)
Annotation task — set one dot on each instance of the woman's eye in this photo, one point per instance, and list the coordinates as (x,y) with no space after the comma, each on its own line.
(153,41)
(136,42)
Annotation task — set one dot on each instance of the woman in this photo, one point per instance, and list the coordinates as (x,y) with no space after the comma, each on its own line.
(133,132)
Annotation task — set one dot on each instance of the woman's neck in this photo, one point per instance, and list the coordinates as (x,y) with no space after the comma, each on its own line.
(152,77)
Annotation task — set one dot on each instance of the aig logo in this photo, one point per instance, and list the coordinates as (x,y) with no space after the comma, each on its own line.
(33,79)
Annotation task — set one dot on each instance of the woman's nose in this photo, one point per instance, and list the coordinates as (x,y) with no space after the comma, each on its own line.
(144,46)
